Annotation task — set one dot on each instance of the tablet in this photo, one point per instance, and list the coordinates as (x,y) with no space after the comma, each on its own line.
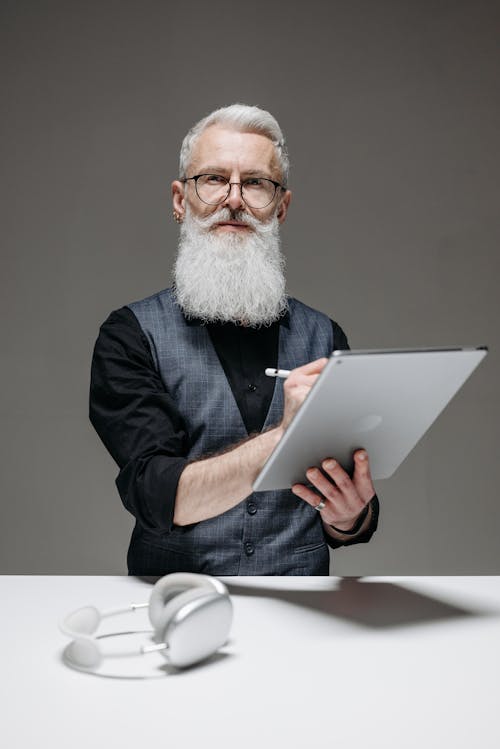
(382,401)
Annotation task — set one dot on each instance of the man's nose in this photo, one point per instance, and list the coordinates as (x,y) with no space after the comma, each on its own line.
(234,198)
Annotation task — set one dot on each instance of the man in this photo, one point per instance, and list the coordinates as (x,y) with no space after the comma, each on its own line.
(178,393)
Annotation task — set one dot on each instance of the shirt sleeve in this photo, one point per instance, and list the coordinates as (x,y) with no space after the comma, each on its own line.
(340,342)
(137,420)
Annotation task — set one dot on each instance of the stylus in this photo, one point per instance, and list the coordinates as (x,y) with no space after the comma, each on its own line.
(283,373)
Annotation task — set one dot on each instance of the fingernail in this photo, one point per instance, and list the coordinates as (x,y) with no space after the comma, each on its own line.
(362,455)
(329,464)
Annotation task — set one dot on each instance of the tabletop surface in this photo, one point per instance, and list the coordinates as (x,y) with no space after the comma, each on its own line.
(374,662)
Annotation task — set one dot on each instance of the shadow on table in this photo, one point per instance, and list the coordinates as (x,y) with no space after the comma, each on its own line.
(371,604)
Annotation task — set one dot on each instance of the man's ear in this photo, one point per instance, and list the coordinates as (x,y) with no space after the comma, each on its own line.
(283,206)
(178,198)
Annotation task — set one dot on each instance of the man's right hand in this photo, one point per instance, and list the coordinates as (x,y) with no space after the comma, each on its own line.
(297,387)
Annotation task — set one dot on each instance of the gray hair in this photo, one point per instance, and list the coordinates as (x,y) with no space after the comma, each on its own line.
(245,119)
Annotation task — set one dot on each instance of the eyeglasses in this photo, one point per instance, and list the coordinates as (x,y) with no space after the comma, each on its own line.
(213,189)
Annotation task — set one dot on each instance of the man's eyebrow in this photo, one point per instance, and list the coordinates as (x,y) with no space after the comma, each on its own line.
(211,170)
(246,172)
(256,172)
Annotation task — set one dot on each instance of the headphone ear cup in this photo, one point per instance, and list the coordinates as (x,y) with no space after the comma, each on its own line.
(192,614)
(83,621)
(196,625)
(83,652)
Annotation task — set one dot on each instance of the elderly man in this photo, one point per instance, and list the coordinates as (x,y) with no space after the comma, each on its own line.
(178,392)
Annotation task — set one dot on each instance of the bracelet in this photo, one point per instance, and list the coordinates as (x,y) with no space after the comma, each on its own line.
(357,525)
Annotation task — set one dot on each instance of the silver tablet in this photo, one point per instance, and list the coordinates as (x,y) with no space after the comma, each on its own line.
(382,401)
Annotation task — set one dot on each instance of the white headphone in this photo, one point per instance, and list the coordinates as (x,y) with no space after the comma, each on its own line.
(191,616)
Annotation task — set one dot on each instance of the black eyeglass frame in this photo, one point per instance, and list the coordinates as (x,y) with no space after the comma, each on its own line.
(196,177)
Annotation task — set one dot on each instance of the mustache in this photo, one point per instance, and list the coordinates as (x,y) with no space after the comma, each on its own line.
(227,214)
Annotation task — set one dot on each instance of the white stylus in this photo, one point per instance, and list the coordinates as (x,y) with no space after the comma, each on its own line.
(283,373)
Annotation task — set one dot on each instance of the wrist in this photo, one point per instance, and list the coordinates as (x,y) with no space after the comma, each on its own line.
(358,523)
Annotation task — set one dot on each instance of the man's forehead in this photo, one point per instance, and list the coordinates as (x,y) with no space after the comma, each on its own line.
(228,148)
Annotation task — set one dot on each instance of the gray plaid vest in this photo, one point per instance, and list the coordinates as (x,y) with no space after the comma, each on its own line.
(268,533)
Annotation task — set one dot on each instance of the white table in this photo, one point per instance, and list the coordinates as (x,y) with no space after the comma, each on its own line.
(379,662)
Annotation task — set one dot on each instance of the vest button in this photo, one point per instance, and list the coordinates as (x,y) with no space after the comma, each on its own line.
(252,387)
(251,508)
(249,548)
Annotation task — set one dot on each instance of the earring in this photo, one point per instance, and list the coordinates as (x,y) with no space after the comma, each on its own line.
(177,217)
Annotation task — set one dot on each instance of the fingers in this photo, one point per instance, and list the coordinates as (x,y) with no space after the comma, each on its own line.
(300,380)
(343,493)
(308,495)
(362,478)
(311,368)
(298,386)
(344,497)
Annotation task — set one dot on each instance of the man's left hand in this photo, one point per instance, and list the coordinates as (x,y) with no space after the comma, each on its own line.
(344,497)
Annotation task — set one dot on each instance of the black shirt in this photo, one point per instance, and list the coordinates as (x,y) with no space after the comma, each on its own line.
(139,422)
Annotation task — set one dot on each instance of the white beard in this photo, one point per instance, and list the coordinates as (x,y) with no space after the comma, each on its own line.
(230,277)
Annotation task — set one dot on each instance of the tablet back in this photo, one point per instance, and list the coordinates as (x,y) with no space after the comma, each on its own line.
(382,401)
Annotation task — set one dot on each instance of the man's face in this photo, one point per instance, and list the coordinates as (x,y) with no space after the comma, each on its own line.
(236,156)
(229,265)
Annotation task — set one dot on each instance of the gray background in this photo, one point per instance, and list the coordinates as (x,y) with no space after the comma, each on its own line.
(391,111)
